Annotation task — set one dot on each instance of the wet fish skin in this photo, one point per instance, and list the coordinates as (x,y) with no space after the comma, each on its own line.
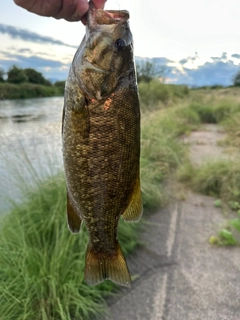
(101,142)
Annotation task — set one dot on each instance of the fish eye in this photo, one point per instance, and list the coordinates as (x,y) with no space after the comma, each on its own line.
(120,44)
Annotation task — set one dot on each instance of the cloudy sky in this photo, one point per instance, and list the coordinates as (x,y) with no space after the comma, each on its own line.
(192,35)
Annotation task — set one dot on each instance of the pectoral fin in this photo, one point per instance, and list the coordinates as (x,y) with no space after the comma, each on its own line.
(74,221)
(135,208)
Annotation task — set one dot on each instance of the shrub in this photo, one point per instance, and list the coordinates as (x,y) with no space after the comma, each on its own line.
(16,75)
(236,79)
(205,112)
(36,77)
(152,93)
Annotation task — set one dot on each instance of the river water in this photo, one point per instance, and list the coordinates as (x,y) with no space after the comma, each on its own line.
(30,144)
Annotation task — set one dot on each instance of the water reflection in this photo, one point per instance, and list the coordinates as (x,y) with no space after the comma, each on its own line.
(30,143)
(27,117)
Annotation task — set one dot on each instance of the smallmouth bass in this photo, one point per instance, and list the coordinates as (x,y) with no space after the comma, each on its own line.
(101,142)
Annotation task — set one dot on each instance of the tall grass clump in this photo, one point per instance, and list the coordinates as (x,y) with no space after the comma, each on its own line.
(161,152)
(205,112)
(232,128)
(154,93)
(225,112)
(215,111)
(219,179)
(151,93)
(42,263)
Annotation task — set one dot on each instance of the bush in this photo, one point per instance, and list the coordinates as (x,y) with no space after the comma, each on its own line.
(60,85)
(16,75)
(179,91)
(154,92)
(36,77)
(219,178)
(161,153)
(205,112)
(1,75)
(232,127)
(236,79)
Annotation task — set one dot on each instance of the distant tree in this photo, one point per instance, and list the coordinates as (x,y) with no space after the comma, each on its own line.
(16,75)
(146,71)
(236,79)
(60,85)
(1,75)
(36,77)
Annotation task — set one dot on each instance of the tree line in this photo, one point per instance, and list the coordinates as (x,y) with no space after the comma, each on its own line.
(18,83)
(17,75)
(146,71)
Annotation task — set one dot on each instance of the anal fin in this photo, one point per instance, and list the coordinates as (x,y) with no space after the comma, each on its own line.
(74,221)
(135,208)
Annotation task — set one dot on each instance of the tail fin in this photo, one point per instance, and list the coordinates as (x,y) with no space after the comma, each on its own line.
(100,267)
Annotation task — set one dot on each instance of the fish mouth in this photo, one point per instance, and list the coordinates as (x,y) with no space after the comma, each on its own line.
(103,17)
(111,16)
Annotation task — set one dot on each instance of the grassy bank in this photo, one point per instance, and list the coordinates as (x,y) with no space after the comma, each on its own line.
(28,90)
(221,178)
(155,95)
(41,262)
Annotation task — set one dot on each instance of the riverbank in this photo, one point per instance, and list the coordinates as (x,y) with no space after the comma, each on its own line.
(29,90)
(45,279)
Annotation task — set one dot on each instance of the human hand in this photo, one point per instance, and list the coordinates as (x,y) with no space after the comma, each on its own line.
(70,10)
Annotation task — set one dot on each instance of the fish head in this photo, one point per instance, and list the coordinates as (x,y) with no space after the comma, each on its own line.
(105,57)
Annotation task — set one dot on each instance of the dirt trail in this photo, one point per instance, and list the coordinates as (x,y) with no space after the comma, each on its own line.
(182,277)
(204,144)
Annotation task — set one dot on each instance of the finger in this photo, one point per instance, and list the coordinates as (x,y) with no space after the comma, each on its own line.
(99,4)
(73,10)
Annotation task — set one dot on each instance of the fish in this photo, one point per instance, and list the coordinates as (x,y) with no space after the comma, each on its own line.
(101,142)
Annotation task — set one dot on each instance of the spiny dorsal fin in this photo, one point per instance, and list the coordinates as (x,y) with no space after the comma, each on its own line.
(135,209)
(74,221)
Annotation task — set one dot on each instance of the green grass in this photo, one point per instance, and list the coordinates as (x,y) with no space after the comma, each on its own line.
(221,178)
(232,128)
(155,95)
(42,263)
(161,152)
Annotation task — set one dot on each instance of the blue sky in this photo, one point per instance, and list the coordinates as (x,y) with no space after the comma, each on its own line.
(190,34)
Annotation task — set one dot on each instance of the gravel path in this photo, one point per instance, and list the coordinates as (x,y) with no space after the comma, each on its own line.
(180,276)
